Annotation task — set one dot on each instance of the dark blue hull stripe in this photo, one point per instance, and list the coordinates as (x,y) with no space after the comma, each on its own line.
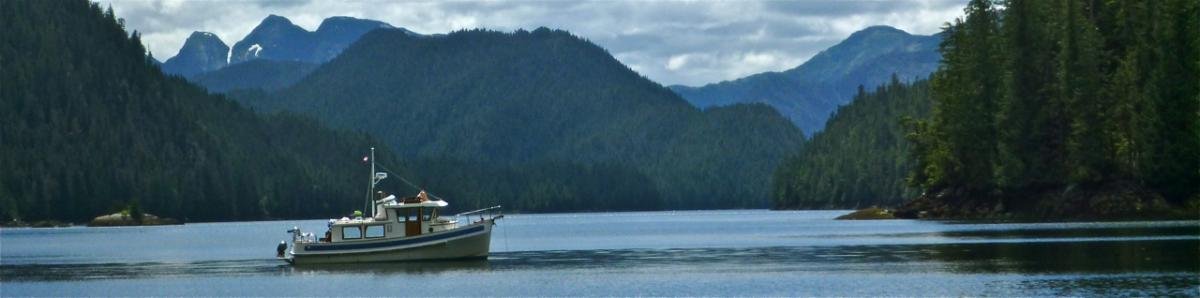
(401,242)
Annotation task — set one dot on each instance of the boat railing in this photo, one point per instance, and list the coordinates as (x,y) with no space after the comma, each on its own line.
(301,237)
(481,212)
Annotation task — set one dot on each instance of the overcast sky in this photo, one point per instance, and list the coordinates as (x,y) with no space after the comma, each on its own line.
(671,42)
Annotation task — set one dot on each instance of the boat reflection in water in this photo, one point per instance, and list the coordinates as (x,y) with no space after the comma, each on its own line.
(394,268)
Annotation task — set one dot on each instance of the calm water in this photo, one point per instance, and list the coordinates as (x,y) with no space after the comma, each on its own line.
(725,253)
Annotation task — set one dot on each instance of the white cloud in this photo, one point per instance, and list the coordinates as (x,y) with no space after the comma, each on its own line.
(672,42)
(677,61)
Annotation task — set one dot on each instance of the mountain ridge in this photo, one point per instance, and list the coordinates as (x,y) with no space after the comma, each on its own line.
(275,38)
(808,93)
(472,96)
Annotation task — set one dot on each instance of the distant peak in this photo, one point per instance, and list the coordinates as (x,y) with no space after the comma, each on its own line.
(351,21)
(202,39)
(345,19)
(274,19)
(879,29)
(203,35)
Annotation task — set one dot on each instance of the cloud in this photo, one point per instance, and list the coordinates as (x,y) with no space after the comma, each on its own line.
(672,42)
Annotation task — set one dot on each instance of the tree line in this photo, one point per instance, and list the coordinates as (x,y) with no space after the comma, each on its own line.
(1042,108)
(1037,101)
(862,156)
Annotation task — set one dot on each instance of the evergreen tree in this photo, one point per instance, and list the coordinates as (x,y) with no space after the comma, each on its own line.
(1029,123)
(966,90)
(1080,78)
(1174,159)
(1100,102)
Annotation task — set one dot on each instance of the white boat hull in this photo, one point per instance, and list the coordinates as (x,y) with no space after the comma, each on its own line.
(468,242)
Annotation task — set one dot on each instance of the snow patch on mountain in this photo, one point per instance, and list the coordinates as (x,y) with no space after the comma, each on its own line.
(255,49)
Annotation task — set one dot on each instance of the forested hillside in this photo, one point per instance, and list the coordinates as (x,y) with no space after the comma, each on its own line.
(862,156)
(473,104)
(89,125)
(1064,109)
(260,74)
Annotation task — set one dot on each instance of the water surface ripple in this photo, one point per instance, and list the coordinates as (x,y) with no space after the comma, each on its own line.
(739,253)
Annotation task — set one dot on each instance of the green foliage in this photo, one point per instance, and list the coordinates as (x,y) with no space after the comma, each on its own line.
(87,122)
(1030,118)
(1080,78)
(134,210)
(486,115)
(963,118)
(1092,94)
(861,157)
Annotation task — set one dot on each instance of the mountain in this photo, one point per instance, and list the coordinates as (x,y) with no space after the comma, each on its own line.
(201,52)
(261,74)
(501,101)
(862,156)
(808,93)
(106,129)
(276,38)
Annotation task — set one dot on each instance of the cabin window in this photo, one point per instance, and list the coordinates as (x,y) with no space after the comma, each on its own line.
(426,214)
(375,231)
(403,215)
(351,232)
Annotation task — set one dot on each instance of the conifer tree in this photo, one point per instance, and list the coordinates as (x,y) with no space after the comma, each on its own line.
(966,90)
(1080,78)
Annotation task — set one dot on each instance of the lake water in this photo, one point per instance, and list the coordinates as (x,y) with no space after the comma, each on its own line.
(722,253)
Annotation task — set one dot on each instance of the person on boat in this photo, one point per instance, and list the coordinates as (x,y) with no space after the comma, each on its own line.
(328,232)
(357,214)
(422,196)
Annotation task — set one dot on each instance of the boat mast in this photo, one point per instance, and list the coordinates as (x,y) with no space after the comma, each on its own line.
(371,190)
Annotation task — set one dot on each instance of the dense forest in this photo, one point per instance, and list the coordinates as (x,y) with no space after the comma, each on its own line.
(257,74)
(1063,108)
(89,125)
(541,120)
(862,156)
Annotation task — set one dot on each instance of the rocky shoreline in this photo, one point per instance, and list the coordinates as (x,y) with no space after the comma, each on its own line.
(869,213)
(124,219)
(1118,201)
(1109,202)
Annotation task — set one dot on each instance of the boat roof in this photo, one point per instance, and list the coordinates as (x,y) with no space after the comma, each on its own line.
(391,202)
(429,203)
(344,221)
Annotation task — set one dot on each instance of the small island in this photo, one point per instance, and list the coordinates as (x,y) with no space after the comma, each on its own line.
(869,213)
(124,218)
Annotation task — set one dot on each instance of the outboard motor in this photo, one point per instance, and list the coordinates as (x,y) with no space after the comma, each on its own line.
(280,249)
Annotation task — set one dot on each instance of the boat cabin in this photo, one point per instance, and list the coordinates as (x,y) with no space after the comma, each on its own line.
(411,216)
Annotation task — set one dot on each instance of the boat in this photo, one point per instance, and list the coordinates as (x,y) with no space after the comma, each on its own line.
(398,229)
